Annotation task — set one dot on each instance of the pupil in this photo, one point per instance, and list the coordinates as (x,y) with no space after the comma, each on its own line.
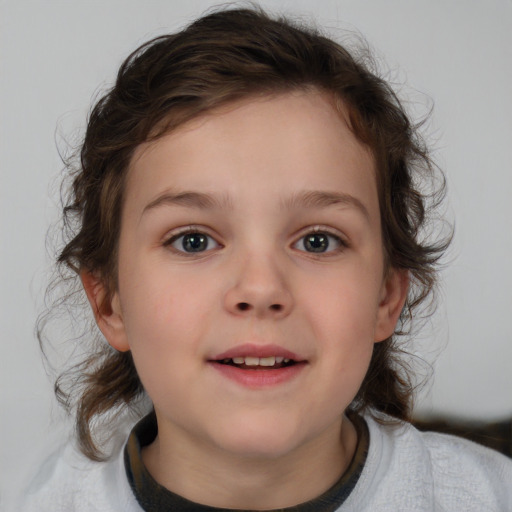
(195,242)
(317,242)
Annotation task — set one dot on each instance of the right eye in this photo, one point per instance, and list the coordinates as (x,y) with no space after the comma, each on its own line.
(192,242)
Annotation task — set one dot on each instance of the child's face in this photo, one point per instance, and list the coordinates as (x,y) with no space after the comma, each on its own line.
(253,232)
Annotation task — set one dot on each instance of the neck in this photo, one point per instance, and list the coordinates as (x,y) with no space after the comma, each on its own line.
(222,479)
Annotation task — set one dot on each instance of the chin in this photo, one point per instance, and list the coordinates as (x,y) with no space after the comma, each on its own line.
(263,439)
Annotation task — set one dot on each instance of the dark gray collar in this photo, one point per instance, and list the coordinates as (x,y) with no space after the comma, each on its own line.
(153,497)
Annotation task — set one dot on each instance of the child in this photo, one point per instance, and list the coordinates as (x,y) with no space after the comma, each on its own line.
(247,216)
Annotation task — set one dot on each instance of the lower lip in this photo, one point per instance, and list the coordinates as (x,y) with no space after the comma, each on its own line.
(259,378)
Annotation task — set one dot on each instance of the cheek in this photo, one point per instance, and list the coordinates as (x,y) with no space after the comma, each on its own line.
(164,334)
(342,312)
(344,305)
(159,313)
(158,296)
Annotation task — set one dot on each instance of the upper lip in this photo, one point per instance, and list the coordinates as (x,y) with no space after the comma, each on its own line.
(254,350)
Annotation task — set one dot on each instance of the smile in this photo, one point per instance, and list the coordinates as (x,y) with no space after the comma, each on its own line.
(249,362)
(258,366)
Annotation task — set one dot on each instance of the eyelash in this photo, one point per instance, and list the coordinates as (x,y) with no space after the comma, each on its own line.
(340,243)
(191,230)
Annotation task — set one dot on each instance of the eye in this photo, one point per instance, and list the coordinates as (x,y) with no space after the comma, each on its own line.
(318,242)
(192,242)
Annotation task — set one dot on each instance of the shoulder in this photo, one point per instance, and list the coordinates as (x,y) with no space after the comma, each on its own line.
(68,480)
(472,473)
(414,471)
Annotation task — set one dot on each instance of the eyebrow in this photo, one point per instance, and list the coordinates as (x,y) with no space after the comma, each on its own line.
(191,200)
(323,199)
(307,199)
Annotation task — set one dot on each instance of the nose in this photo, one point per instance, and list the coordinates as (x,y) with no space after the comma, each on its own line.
(259,289)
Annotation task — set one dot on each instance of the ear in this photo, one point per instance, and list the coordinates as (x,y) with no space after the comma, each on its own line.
(107,310)
(392,300)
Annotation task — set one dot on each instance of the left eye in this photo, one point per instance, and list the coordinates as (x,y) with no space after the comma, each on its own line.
(318,242)
(193,242)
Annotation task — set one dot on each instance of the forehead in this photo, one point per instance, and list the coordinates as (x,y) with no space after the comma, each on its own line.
(258,147)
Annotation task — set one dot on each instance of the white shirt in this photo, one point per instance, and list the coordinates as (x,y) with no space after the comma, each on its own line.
(405,470)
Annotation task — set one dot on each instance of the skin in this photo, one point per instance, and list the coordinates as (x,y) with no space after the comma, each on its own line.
(256,164)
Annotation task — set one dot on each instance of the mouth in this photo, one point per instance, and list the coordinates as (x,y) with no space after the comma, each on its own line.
(259,366)
(258,363)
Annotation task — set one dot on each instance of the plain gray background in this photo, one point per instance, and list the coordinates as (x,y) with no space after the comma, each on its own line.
(455,54)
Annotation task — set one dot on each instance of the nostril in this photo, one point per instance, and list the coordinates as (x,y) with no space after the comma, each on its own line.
(245,306)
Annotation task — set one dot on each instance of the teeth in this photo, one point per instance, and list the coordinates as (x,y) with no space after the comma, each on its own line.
(257,361)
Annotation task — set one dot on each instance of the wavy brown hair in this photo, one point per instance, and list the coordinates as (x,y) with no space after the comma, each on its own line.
(225,56)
